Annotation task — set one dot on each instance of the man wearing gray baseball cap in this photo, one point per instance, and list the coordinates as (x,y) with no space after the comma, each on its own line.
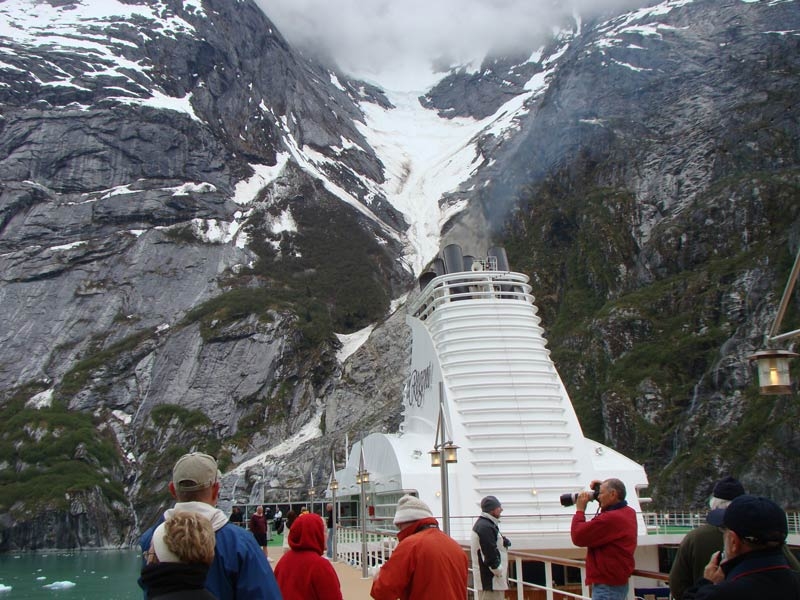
(240,570)
(752,564)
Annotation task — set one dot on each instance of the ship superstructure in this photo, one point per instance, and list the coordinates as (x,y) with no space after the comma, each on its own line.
(479,354)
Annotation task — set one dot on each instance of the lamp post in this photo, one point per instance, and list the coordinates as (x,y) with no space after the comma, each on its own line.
(773,365)
(311,492)
(362,478)
(333,485)
(444,452)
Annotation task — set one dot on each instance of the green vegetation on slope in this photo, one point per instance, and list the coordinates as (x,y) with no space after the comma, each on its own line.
(50,452)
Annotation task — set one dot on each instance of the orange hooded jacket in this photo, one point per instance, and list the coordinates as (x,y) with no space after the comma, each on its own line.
(426,565)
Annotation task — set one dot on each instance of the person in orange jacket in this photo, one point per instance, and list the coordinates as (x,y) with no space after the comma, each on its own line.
(427,563)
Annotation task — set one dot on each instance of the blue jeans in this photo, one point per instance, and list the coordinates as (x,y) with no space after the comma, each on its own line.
(601,591)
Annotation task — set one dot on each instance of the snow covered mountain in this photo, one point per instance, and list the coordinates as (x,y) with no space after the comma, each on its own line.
(205,235)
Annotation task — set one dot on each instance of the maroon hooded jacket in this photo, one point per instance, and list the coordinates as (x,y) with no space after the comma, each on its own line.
(302,572)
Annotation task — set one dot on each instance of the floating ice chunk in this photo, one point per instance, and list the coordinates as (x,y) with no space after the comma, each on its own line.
(41,578)
(59,585)
(4,588)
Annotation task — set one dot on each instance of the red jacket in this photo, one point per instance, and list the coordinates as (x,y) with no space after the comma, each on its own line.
(426,565)
(610,539)
(302,572)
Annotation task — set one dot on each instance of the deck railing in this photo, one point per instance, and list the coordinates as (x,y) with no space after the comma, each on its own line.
(381,544)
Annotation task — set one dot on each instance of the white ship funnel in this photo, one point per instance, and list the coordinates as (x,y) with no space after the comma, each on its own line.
(478,333)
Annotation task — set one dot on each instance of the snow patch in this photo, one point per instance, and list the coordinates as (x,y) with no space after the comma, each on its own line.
(352,342)
(247,189)
(41,400)
(309,431)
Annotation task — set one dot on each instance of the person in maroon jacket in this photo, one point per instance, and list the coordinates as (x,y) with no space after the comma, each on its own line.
(610,539)
(258,525)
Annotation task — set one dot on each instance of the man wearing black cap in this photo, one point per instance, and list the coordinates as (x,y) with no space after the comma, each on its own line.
(754,531)
(700,543)
(489,551)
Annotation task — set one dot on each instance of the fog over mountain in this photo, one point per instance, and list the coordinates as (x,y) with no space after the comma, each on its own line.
(395,42)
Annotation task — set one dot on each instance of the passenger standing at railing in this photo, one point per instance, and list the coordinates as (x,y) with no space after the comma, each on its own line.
(700,543)
(427,563)
(752,564)
(610,539)
(489,550)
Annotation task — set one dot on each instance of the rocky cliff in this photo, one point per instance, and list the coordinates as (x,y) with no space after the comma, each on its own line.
(190,209)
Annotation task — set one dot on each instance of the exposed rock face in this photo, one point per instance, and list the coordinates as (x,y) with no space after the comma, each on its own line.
(651,196)
(190,210)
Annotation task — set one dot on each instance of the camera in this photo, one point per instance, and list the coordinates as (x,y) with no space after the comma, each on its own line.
(569,499)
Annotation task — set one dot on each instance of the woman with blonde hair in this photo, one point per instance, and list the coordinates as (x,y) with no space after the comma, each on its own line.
(179,557)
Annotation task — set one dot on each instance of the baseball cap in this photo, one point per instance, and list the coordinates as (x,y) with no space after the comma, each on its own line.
(753,518)
(195,471)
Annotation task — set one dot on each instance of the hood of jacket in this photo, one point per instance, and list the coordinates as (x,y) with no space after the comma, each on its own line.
(308,533)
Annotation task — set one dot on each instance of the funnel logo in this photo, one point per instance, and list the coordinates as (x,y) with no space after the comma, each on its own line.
(418,383)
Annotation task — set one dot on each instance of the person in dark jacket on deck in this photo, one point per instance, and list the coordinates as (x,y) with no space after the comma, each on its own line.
(240,570)
(610,539)
(700,543)
(489,550)
(754,531)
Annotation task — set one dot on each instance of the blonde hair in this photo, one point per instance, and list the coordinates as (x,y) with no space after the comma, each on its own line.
(190,536)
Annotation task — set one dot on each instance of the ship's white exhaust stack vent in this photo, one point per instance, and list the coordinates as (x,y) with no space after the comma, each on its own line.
(533,402)
(514,452)
(500,410)
(519,423)
(498,435)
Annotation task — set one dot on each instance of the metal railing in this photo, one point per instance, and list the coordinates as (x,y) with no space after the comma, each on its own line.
(381,544)
(650,584)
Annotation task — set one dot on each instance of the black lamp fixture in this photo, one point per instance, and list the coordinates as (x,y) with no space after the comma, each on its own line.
(772,364)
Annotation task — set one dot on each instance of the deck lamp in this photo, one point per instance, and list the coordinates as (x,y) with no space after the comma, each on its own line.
(450,453)
(362,478)
(333,485)
(444,452)
(773,371)
(773,365)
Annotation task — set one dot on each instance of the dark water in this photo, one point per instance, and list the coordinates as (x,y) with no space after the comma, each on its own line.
(106,574)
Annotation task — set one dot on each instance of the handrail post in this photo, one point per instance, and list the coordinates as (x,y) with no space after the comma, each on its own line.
(548,579)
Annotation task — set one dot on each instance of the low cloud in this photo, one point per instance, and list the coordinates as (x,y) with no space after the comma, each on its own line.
(379,36)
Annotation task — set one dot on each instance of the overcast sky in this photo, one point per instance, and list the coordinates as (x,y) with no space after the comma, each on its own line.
(373,37)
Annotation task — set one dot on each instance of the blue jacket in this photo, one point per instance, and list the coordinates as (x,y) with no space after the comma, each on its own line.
(240,570)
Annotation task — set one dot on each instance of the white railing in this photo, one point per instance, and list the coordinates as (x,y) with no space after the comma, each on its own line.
(381,544)
(476,285)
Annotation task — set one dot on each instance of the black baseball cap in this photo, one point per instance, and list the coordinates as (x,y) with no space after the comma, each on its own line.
(754,518)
